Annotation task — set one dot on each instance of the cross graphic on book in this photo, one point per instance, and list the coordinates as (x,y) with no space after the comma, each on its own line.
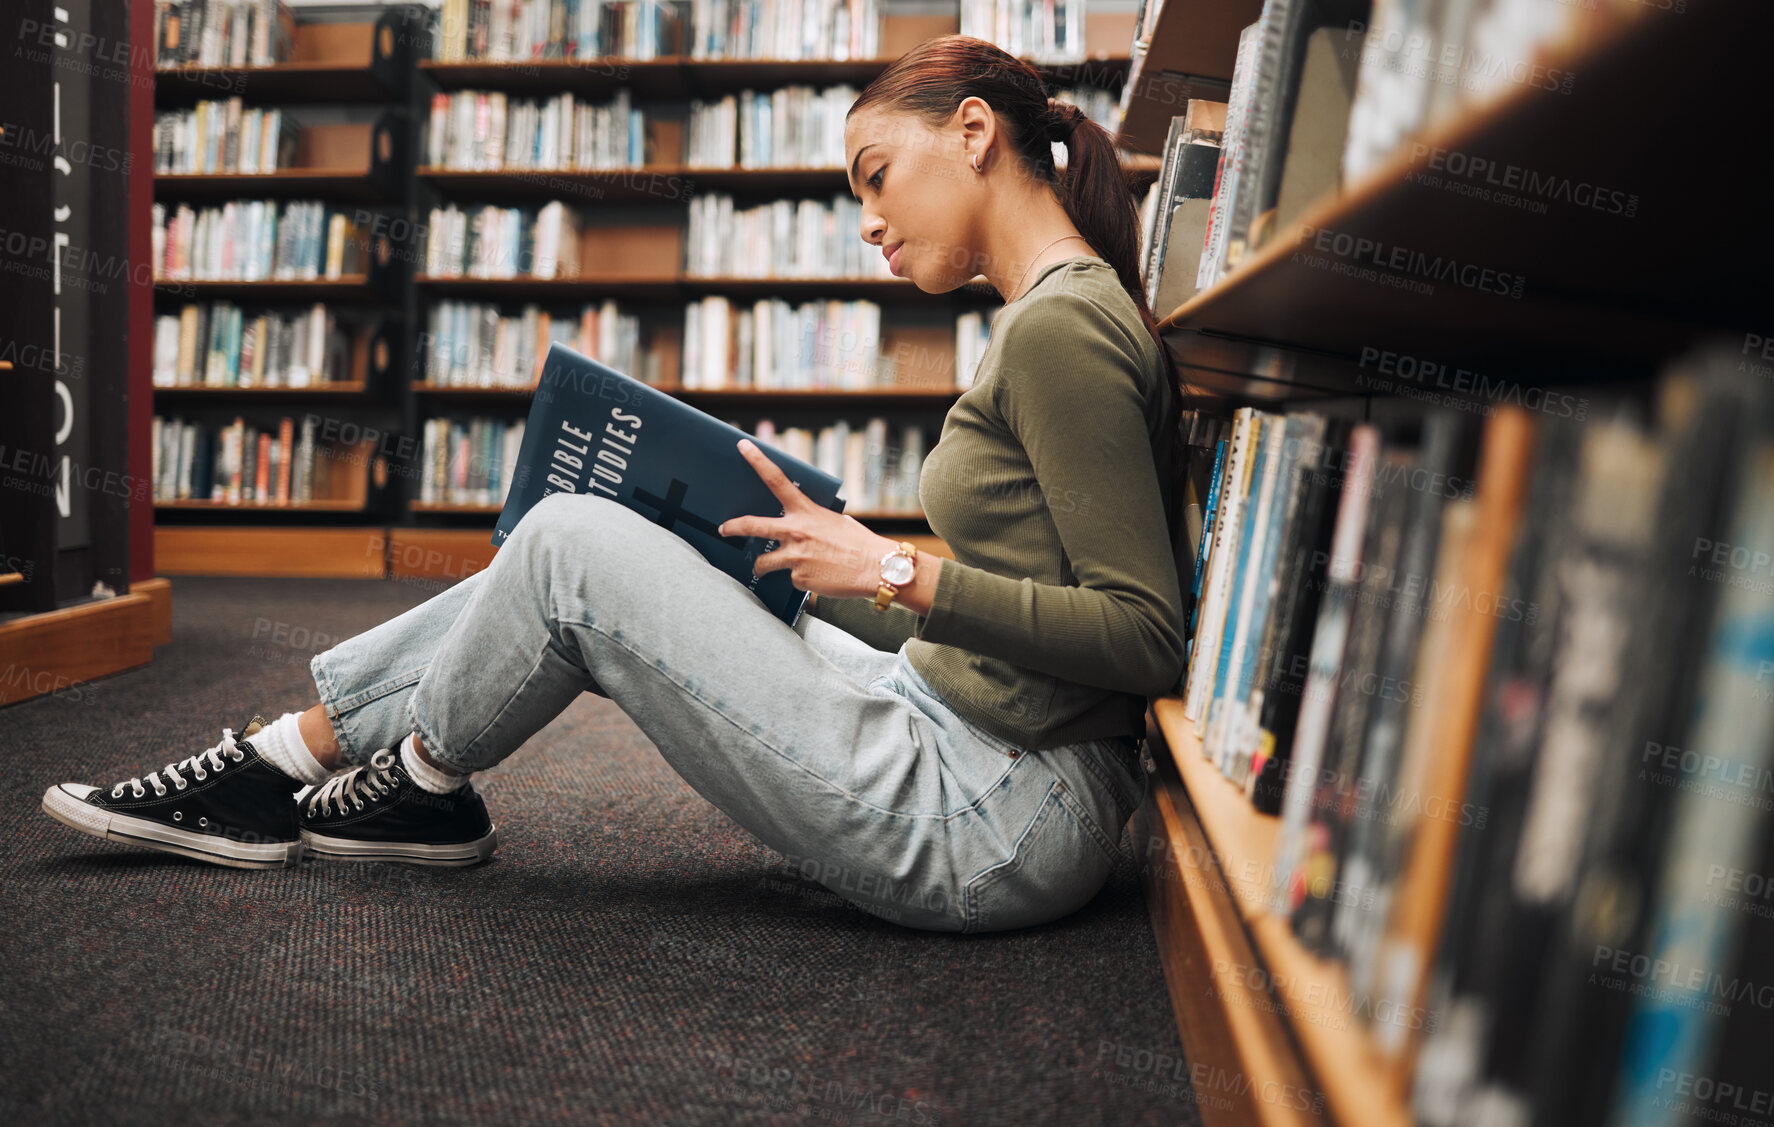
(671,511)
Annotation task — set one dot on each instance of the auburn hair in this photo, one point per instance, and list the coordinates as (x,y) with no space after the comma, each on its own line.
(930,81)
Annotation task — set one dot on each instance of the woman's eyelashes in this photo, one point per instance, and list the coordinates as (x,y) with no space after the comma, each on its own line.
(875,180)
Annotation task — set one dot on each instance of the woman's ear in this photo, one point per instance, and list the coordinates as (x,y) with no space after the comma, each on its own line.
(978,126)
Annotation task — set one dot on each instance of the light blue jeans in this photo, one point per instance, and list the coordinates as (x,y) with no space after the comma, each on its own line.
(831,752)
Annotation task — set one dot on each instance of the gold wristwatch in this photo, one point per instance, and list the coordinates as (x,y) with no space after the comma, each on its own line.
(897,569)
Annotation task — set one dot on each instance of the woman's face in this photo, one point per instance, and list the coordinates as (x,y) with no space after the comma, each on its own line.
(920,199)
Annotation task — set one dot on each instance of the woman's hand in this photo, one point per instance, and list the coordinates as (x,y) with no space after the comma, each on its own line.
(827,553)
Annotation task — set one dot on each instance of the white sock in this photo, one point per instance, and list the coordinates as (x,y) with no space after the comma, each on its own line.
(282,745)
(428,777)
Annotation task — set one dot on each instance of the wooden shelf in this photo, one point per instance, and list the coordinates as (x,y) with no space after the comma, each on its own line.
(354,288)
(680,76)
(674,183)
(329,62)
(315,81)
(1602,293)
(89,639)
(1191,52)
(323,506)
(474,392)
(1311,997)
(285,183)
(666,183)
(679,287)
(284,551)
(798,396)
(204,391)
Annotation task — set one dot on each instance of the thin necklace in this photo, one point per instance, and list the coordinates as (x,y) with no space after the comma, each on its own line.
(1035,256)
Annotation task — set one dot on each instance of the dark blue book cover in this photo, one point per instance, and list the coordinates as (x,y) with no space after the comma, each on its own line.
(593,430)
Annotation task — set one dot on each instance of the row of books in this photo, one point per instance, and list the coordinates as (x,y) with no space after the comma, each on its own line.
(773,344)
(503,242)
(879,466)
(256,240)
(468,461)
(1422,62)
(1282,134)
(1504,676)
(224,137)
(473,344)
(484,130)
(791,126)
(973,332)
(521,30)
(236,464)
(214,33)
(785,29)
(1042,30)
(1321,94)
(218,345)
(779,239)
(1178,205)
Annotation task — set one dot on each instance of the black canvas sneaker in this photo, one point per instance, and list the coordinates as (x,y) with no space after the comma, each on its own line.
(378,813)
(225,805)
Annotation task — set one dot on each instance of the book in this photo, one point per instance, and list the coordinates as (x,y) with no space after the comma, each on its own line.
(594,431)
(1324,668)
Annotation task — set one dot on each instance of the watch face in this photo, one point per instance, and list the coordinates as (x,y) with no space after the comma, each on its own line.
(897,569)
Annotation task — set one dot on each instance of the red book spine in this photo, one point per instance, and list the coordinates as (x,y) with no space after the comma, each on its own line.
(286,441)
(262,472)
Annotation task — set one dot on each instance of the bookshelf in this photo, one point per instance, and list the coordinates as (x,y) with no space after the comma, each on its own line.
(329,62)
(1188,55)
(633,229)
(347,161)
(77,598)
(1599,295)
(345,85)
(1607,301)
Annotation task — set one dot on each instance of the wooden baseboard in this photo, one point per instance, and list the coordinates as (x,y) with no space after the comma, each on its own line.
(1249,997)
(1242,1062)
(285,553)
(159,592)
(52,654)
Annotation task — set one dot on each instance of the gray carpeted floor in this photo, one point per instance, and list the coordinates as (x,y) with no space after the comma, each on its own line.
(629,955)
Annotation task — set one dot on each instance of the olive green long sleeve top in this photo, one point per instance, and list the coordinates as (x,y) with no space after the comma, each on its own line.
(1061,611)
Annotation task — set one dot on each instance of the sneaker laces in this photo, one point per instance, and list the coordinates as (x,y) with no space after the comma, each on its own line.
(357,784)
(193,764)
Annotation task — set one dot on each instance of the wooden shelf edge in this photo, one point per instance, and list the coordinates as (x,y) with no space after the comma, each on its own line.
(1242,1064)
(54,653)
(342,387)
(267,507)
(1236,845)
(285,174)
(282,553)
(1389,177)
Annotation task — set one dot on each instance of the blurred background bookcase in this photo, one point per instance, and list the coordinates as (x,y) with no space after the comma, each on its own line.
(631,249)
(1605,302)
(344,86)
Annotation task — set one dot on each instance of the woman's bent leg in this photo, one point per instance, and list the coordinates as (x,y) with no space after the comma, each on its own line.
(897,811)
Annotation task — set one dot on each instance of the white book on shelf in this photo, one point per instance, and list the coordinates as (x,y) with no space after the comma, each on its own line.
(187,447)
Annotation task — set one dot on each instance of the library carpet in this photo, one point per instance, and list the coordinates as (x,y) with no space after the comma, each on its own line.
(629,955)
